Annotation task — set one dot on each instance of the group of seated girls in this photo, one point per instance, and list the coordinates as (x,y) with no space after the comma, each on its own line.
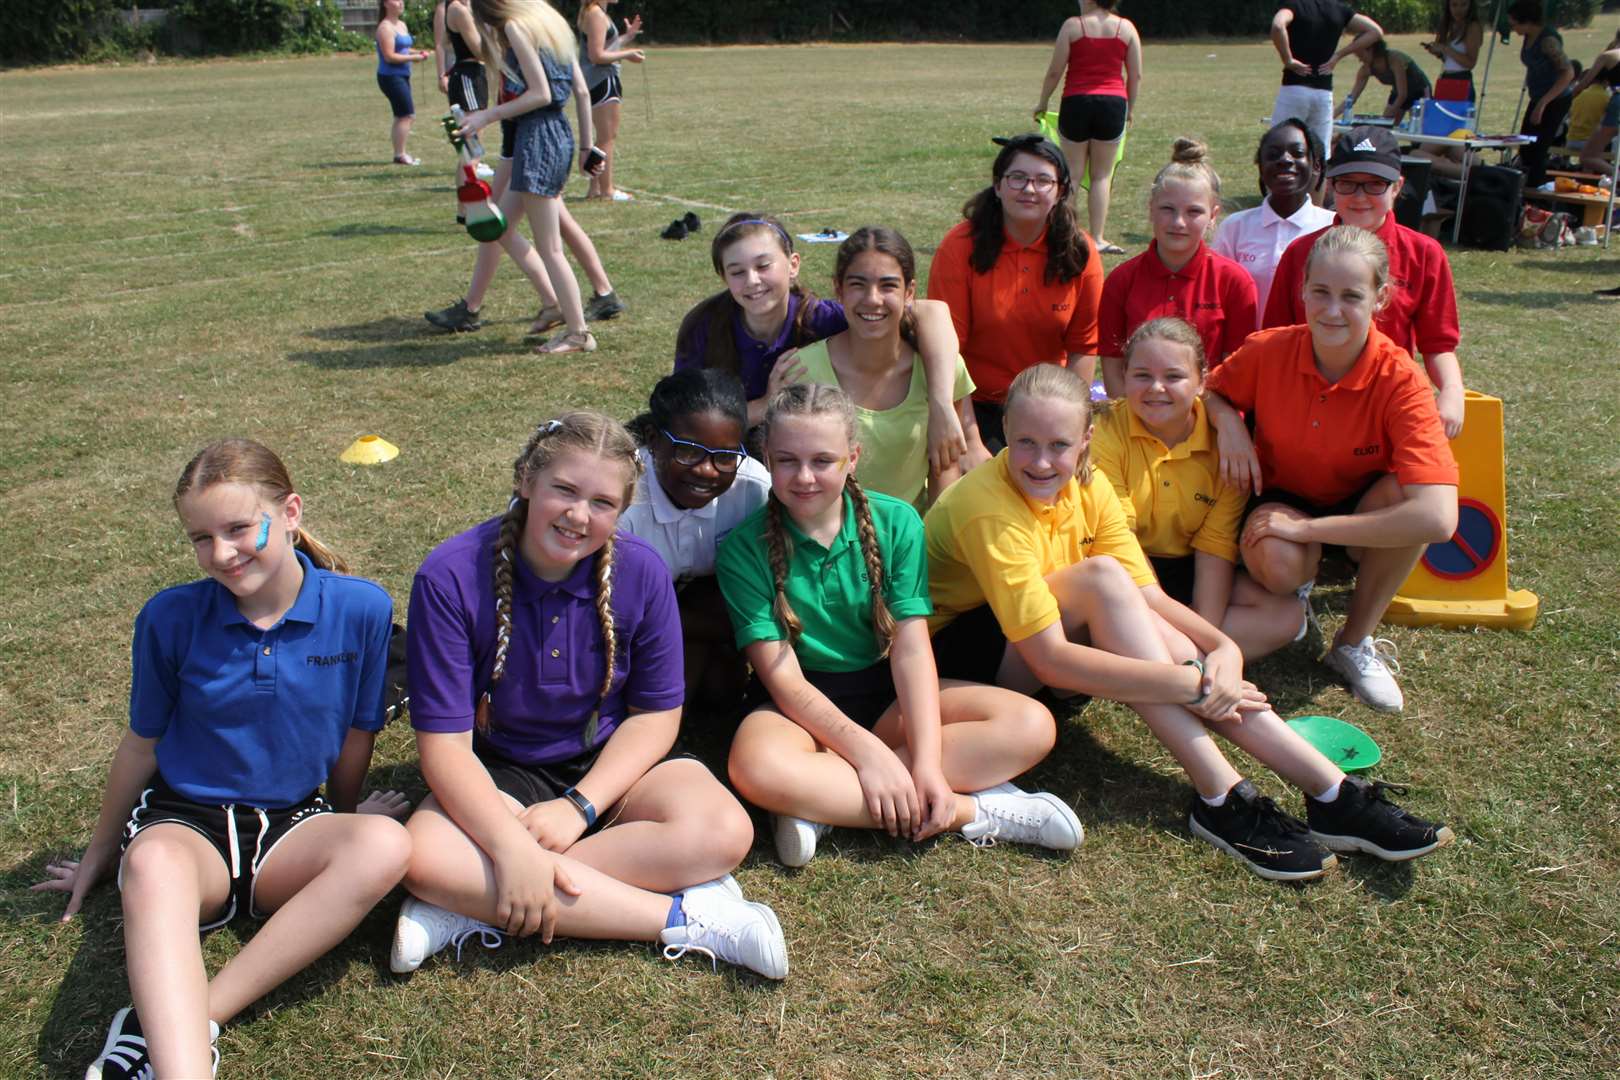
(891,658)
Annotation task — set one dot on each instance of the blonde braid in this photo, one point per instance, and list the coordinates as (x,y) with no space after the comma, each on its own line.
(517,512)
(778,546)
(882,619)
(610,640)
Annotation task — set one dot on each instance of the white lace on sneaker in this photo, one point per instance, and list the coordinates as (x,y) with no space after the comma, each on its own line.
(423,929)
(1020,817)
(722,926)
(1370,667)
(488,937)
(796,838)
(1308,616)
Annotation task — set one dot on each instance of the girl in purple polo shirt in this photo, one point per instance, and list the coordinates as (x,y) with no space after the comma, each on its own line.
(250,688)
(544,660)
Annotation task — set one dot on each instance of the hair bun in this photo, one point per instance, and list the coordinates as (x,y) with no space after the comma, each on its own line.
(1188,151)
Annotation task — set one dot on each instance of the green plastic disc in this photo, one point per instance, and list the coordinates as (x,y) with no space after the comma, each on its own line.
(1340,741)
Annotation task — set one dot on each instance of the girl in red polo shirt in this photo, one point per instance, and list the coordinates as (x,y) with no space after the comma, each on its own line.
(1348,449)
(1178,275)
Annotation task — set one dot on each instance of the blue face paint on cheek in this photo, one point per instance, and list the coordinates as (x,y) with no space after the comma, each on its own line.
(264,533)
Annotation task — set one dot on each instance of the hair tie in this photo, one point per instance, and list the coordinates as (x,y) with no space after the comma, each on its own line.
(551,427)
(786,239)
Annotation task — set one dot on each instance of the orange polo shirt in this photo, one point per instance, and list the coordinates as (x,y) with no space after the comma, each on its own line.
(1011,318)
(1327,441)
(1212,292)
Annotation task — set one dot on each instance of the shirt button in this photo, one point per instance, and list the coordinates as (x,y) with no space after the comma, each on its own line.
(554,619)
(555,653)
(267,650)
(1316,423)
(1167,483)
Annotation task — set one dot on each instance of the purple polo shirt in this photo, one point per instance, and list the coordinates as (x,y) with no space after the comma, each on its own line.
(756,358)
(539,709)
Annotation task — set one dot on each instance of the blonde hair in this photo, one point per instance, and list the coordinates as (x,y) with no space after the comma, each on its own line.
(583,432)
(547,30)
(1171,329)
(818,399)
(1357,241)
(243,461)
(1189,163)
(1049,382)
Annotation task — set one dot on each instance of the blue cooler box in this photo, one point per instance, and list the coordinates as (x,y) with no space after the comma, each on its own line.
(1444,117)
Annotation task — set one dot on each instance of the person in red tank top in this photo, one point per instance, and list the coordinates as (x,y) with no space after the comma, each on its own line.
(1097,101)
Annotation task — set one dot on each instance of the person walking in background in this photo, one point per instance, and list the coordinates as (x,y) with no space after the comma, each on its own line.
(1304,32)
(1097,102)
(1547,77)
(394,59)
(601,49)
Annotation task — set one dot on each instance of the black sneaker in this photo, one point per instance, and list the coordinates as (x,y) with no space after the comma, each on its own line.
(603,306)
(692,223)
(1254,831)
(455,318)
(675,230)
(123,1056)
(1363,819)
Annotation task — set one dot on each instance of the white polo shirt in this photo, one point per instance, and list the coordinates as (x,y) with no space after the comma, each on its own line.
(686,539)
(1255,239)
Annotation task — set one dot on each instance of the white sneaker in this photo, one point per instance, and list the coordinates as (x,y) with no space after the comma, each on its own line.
(1020,817)
(1370,668)
(723,926)
(796,838)
(483,172)
(423,929)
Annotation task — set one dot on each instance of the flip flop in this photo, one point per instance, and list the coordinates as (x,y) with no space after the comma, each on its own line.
(1110,249)
(568,342)
(549,318)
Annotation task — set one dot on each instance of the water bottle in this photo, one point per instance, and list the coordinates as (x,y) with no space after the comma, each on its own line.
(1348,112)
(475,146)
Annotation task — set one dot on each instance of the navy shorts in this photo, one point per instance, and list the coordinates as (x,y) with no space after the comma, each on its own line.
(397,89)
(863,696)
(1175,574)
(970,648)
(468,87)
(1611,114)
(1083,117)
(1306,506)
(508,138)
(243,835)
(609,89)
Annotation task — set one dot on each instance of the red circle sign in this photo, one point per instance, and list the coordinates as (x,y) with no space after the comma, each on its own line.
(1472,548)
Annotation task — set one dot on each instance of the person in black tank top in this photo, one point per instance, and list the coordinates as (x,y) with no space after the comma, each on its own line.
(466,83)
(1605,70)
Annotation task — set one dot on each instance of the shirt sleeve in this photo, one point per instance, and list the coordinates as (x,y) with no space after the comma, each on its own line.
(1111,536)
(1081,336)
(948,281)
(827,319)
(691,342)
(905,564)
(1218,535)
(746,583)
(1109,457)
(1438,330)
(1235,378)
(369,698)
(1283,306)
(1001,557)
(154,686)
(656,678)
(440,665)
(964,382)
(1240,315)
(1419,450)
(1225,242)
(1111,313)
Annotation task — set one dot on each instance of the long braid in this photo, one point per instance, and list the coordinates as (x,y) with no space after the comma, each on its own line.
(610,639)
(779,547)
(882,619)
(517,512)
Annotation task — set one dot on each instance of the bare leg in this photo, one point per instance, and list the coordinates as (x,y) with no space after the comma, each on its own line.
(1281,566)
(1379,571)
(987,736)
(512,241)
(778,766)
(605,119)
(1076,154)
(172,880)
(1274,744)
(1597,144)
(543,219)
(584,251)
(401,128)
(1102,182)
(1260,621)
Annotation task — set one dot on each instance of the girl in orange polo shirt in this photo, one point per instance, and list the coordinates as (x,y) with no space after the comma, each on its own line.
(1159,452)
(1348,449)
(1178,274)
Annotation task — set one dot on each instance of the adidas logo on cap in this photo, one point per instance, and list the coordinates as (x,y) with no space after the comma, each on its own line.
(1365,144)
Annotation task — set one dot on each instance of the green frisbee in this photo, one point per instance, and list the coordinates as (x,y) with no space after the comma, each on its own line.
(1341,742)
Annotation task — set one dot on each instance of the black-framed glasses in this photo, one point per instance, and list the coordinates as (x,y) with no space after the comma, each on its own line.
(1343,185)
(1018,181)
(688,453)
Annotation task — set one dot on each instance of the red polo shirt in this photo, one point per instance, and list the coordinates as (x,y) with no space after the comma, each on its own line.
(1327,441)
(1422,314)
(1011,318)
(1212,292)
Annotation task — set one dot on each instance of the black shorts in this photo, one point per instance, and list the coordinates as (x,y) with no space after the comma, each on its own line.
(863,696)
(991,417)
(530,784)
(243,835)
(397,89)
(971,647)
(468,88)
(1175,574)
(1306,506)
(1084,117)
(508,139)
(609,89)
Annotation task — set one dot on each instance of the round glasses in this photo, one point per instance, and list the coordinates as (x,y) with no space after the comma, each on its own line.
(1345,186)
(1018,181)
(688,453)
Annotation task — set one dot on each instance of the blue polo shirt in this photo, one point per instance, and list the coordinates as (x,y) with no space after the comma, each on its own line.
(554,665)
(755,358)
(244,715)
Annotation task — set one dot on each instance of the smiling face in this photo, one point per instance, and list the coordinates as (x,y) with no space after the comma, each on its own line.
(875,294)
(1361,209)
(1028,209)
(1341,298)
(241,539)
(810,457)
(1181,212)
(1046,441)
(574,505)
(1161,383)
(1285,164)
(692,487)
(758,274)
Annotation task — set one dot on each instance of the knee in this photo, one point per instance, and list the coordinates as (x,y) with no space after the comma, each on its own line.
(1033,726)
(1279,566)
(752,771)
(728,831)
(378,850)
(153,861)
(1104,574)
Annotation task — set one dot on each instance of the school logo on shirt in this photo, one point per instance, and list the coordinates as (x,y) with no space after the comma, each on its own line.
(332,660)
(1369,450)
(1060,307)
(1208,305)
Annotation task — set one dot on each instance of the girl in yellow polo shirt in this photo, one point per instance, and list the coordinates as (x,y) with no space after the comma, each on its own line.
(1038,581)
(1159,452)
(849,723)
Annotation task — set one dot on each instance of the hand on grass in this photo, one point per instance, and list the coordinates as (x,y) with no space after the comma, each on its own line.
(556,824)
(76,877)
(392,804)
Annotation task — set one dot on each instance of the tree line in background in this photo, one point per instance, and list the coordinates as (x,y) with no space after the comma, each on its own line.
(46,31)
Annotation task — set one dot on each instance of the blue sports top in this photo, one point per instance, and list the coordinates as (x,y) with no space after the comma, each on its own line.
(244,715)
(401,43)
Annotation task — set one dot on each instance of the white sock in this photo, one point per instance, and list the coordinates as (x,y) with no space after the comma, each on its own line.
(1331,793)
(1217,801)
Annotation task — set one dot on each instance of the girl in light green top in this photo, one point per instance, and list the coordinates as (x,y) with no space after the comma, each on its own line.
(876,364)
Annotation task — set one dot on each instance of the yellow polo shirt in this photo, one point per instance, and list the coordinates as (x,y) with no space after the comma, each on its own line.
(1174,499)
(990,544)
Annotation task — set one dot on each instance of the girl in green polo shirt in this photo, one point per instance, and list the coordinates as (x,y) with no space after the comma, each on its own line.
(848,723)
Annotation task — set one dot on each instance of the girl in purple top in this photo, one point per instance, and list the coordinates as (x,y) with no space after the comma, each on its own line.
(544,660)
(764,315)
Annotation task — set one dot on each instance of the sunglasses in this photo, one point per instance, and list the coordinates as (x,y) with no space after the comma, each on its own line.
(688,453)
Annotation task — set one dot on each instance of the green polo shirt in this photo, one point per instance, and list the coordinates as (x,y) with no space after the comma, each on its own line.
(826,587)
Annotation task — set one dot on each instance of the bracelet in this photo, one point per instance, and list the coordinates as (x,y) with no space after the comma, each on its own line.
(1199,664)
(582,804)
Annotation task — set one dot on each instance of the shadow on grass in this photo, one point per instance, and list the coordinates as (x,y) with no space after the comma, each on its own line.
(1601,268)
(405,352)
(374,228)
(1538,301)
(1387,881)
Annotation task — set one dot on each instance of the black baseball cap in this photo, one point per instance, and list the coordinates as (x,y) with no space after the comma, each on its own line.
(1366,149)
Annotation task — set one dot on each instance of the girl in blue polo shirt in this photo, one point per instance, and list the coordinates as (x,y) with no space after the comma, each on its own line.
(250,689)
(849,724)
(544,660)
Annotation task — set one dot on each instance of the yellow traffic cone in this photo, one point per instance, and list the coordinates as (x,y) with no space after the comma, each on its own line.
(370,450)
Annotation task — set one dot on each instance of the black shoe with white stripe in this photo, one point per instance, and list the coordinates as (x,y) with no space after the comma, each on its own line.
(1363,818)
(1254,831)
(123,1055)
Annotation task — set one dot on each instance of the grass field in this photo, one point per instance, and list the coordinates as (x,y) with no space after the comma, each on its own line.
(193,250)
